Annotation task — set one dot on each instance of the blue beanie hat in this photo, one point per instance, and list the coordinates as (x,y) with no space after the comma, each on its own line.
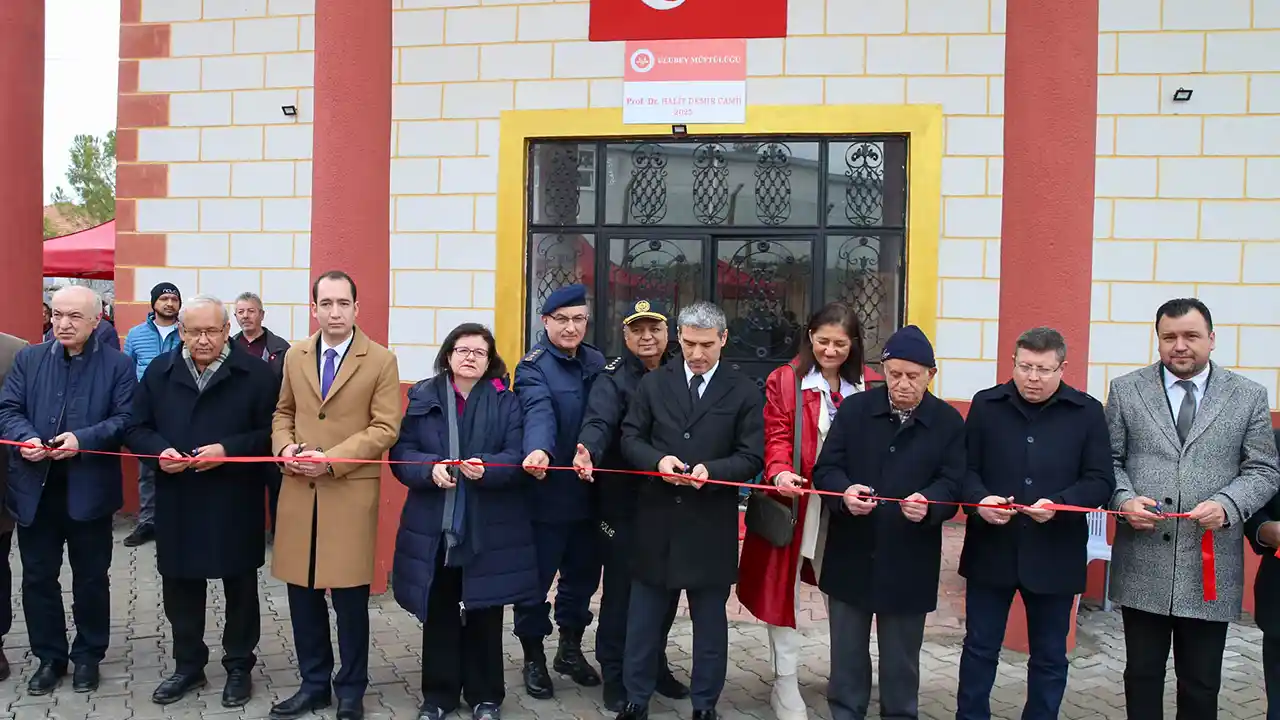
(911,345)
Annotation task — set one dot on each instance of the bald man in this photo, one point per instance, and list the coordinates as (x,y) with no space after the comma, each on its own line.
(60,398)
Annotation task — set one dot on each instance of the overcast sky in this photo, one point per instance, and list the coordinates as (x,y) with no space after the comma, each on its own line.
(82,43)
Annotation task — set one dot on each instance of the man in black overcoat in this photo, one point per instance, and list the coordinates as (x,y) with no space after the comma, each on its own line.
(689,421)
(202,402)
(895,442)
(1263,532)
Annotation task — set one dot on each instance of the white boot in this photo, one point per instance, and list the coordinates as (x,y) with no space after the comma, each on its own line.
(786,701)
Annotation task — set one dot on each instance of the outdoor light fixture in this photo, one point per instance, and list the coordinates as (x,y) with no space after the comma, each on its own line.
(290,110)
(679,130)
(1181,95)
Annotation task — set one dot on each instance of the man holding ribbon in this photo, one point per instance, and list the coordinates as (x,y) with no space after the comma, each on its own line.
(1193,440)
(1032,443)
(340,399)
(901,443)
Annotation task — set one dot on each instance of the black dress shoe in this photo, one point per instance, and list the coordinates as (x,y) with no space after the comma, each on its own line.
(615,696)
(45,679)
(85,678)
(238,690)
(349,709)
(634,712)
(176,686)
(669,687)
(705,714)
(300,704)
(570,660)
(141,535)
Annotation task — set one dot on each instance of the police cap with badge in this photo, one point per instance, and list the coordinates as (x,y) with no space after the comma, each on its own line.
(644,310)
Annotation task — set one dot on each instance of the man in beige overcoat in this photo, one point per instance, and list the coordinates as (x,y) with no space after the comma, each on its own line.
(340,398)
(9,347)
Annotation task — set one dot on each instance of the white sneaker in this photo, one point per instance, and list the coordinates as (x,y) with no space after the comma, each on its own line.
(786,701)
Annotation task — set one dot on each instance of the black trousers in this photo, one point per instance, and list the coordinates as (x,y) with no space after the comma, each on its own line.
(461,649)
(615,601)
(184,606)
(6,586)
(646,640)
(1271,673)
(1197,660)
(567,555)
(89,545)
(898,638)
(315,649)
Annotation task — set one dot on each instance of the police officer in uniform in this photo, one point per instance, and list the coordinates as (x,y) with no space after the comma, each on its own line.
(645,333)
(552,383)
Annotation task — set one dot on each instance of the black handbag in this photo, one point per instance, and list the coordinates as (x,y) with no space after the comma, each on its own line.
(773,520)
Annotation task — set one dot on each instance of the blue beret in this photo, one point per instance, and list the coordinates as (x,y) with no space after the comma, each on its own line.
(911,345)
(567,296)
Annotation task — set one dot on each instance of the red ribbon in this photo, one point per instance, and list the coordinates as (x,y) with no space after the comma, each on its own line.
(1207,557)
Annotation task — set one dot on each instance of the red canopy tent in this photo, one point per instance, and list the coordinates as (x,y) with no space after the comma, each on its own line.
(88,254)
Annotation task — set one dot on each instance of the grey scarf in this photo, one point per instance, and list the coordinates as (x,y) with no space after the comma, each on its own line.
(202,378)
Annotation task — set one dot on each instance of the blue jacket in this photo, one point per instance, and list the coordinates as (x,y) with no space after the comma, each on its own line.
(144,343)
(498,560)
(91,394)
(553,389)
(105,332)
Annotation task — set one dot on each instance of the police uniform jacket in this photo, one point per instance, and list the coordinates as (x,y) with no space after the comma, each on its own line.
(552,388)
(601,435)
(690,537)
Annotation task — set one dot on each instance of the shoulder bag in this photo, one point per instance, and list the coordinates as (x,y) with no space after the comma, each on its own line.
(767,518)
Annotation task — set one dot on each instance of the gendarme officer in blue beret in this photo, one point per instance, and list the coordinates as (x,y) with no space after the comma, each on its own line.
(552,382)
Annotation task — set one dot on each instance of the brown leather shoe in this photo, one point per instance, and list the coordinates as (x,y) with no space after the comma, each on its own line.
(4,666)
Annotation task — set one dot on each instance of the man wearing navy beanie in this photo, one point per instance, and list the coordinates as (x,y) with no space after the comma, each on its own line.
(907,447)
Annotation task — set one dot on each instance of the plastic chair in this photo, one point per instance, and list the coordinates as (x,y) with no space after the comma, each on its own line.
(1100,549)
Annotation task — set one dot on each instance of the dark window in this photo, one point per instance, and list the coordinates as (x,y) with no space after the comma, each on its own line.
(768,228)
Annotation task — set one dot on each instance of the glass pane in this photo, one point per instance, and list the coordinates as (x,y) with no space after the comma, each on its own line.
(763,287)
(668,270)
(866,183)
(556,260)
(712,184)
(866,273)
(562,184)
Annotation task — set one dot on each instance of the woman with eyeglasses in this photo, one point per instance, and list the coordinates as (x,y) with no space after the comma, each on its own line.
(465,545)
(827,369)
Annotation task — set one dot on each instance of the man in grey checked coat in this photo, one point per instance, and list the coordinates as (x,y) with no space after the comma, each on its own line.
(1187,436)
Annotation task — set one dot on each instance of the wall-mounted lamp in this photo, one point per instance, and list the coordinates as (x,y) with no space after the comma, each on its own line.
(289,110)
(1182,95)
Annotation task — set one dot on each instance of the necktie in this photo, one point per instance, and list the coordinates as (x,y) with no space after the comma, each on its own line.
(1186,411)
(695,383)
(330,369)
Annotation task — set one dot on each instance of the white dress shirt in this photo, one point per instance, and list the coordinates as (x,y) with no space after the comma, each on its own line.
(1175,393)
(706,377)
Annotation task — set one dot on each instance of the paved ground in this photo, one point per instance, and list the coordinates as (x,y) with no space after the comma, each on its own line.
(138,659)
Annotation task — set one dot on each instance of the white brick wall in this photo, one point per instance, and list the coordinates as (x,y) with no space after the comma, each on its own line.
(1188,194)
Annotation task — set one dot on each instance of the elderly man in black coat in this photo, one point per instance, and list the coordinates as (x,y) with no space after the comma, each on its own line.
(205,401)
(895,442)
(1031,442)
(690,421)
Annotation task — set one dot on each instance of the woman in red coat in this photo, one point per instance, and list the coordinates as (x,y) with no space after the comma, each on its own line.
(830,367)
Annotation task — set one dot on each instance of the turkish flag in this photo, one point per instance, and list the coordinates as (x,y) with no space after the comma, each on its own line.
(687,19)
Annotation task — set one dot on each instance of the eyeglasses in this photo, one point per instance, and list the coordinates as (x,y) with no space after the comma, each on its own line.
(202,333)
(477,353)
(565,319)
(1035,370)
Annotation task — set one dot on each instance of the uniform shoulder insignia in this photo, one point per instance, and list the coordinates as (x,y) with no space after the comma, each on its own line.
(533,355)
(613,364)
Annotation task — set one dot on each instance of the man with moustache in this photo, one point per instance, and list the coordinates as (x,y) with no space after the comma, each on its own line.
(895,441)
(260,342)
(340,399)
(1187,436)
(552,382)
(644,331)
(689,421)
(61,398)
